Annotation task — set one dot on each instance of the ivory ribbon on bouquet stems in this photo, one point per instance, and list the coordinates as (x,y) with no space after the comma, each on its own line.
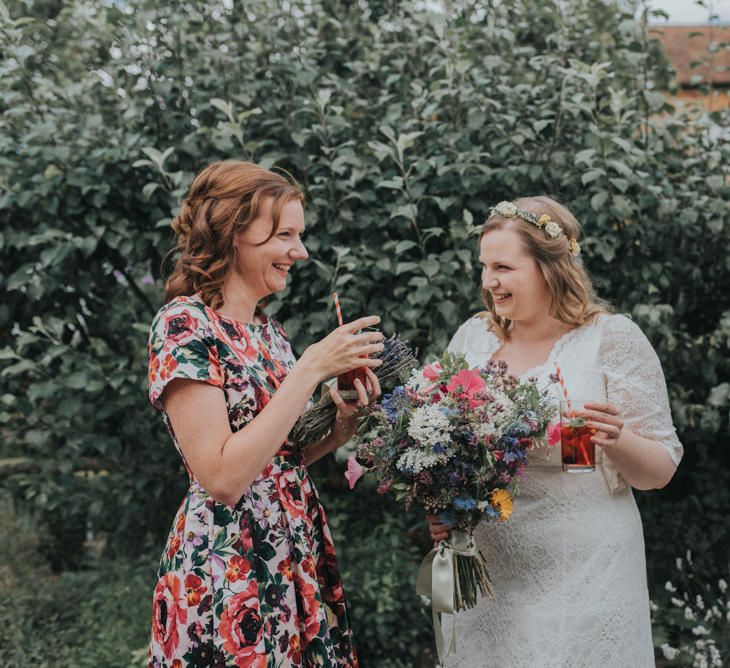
(436,578)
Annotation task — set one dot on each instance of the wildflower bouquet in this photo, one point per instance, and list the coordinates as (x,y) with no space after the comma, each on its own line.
(454,441)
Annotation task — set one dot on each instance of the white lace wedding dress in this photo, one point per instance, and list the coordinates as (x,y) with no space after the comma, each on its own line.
(568,567)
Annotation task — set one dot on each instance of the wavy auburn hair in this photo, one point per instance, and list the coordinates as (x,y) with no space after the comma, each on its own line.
(572,299)
(225,198)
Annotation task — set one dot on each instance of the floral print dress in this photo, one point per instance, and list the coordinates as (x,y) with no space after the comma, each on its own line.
(255,584)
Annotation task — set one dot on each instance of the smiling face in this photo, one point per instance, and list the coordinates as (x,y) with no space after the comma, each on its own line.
(512,277)
(263,264)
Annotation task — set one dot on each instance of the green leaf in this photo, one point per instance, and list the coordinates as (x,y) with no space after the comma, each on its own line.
(598,200)
(430,267)
(585,157)
(77,380)
(402,267)
(715,182)
(149,188)
(407,211)
(404,245)
(591,175)
(396,183)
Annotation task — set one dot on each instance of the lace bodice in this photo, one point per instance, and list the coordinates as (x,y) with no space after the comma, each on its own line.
(607,360)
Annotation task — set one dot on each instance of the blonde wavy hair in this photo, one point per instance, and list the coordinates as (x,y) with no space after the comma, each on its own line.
(572,299)
(225,198)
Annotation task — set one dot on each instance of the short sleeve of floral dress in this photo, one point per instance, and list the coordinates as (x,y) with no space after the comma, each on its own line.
(255,584)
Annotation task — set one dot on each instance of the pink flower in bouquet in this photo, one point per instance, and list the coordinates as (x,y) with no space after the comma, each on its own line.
(432,371)
(354,471)
(471,385)
(553,432)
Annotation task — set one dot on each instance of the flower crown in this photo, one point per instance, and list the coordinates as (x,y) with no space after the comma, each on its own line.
(552,228)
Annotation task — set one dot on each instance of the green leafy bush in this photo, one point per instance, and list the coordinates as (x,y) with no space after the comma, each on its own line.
(403,126)
(92,618)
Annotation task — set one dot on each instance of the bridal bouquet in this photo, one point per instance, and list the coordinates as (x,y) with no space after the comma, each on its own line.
(454,441)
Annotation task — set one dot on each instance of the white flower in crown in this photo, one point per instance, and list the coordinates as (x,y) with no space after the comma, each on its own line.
(506,209)
(553,230)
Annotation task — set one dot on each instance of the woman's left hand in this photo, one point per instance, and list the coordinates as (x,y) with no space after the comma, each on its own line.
(348,413)
(606,420)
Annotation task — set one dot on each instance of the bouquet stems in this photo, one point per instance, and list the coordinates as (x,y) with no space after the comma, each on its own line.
(470,577)
(452,574)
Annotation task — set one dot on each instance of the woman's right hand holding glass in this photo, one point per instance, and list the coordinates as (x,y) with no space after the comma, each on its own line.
(345,348)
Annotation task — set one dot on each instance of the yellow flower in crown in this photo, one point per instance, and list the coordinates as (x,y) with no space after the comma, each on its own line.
(502,501)
(543,220)
(574,247)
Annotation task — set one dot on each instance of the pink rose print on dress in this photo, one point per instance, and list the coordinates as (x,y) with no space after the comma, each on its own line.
(168,613)
(242,630)
(179,327)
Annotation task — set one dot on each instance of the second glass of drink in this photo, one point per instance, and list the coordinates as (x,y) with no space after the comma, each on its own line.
(577,450)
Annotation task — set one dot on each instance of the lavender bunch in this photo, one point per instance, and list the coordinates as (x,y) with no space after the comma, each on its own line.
(398,360)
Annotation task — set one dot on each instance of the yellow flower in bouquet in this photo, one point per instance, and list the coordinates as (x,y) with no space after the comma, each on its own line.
(502,501)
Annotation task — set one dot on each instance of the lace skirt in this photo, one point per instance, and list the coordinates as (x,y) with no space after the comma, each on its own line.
(569,576)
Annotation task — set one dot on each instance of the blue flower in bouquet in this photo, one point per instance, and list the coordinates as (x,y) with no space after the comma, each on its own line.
(439,448)
(464,504)
(394,402)
(456,476)
(509,441)
(520,428)
(512,456)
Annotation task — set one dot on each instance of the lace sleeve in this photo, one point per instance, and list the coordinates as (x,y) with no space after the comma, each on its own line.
(474,341)
(635,384)
(458,341)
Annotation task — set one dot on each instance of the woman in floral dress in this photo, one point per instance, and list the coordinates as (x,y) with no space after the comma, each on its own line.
(248,576)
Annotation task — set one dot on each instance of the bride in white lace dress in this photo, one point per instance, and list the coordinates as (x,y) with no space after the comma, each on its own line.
(568,567)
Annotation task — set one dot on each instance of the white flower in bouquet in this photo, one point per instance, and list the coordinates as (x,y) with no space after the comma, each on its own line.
(430,426)
(417,381)
(500,415)
(415,461)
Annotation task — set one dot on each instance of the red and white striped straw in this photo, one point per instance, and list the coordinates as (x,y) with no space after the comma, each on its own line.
(565,390)
(337,308)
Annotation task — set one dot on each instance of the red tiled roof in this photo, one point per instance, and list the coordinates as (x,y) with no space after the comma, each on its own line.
(683,45)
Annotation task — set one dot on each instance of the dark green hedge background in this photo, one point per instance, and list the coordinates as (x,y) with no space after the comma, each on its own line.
(403,125)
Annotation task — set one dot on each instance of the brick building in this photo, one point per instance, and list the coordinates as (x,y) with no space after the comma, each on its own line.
(701,62)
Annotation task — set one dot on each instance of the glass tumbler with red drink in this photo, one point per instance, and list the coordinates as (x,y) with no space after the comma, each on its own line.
(577,450)
(346,383)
